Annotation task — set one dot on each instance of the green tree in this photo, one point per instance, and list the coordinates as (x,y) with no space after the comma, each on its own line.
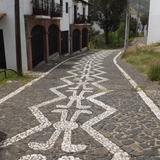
(144,20)
(109,14)
(133,27)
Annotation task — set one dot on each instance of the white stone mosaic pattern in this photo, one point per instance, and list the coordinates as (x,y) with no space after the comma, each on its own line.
(85,73)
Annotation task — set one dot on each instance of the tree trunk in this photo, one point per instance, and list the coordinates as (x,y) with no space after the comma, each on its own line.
(107,36)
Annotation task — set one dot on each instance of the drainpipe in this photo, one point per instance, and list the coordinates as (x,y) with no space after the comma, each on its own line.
(70,34)
(18,38)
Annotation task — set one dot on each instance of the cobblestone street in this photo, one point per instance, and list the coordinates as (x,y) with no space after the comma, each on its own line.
(85,109)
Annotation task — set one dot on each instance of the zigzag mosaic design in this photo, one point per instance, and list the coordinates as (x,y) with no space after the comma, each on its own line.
(85,76)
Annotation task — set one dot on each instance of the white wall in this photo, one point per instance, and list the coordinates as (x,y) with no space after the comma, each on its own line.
(154,22)
(7,24)
(80,8)
(65,19)
(25,9)
(71,11)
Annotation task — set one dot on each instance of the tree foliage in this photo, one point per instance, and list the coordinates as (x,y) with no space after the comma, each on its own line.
(144,20)
(133,27)
(108,13)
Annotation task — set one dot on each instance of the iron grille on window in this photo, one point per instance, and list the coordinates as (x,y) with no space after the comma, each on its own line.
(47,8)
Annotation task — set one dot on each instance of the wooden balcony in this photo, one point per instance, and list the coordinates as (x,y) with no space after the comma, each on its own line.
(46,8)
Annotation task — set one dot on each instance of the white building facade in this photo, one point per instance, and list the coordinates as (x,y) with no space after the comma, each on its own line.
(48,28)
(154,22)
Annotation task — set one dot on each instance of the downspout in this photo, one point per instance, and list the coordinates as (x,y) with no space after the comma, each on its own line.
(18,38)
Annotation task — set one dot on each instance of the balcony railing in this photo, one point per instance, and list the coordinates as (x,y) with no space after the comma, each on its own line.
(47,8)
(81,19)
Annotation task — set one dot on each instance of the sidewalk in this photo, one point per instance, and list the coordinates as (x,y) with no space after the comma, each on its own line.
(83,110)
(152,89)
(11,86)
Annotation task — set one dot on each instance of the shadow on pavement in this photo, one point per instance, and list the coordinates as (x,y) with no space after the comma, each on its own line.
(3,136)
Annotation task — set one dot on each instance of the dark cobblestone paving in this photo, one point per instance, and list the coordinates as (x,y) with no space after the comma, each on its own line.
(83,110)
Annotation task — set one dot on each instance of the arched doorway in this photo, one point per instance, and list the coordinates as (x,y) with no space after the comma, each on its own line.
(37,44)
(64,42)
(84,38)
(76,40)
(53,37)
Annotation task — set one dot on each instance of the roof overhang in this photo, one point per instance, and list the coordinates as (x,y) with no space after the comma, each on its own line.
(2,15)
(85,2)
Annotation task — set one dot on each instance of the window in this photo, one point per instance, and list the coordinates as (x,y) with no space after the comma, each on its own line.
(84,11)
(66,7)
(61,2)
(75,12)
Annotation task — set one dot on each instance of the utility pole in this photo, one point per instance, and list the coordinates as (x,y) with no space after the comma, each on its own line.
(18,38)
(138,14)
(127,26)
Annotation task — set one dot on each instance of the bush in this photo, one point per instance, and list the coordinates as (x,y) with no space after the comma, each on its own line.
(145,59)
(133,28)
(116,39)
(96,40)
(154,72)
